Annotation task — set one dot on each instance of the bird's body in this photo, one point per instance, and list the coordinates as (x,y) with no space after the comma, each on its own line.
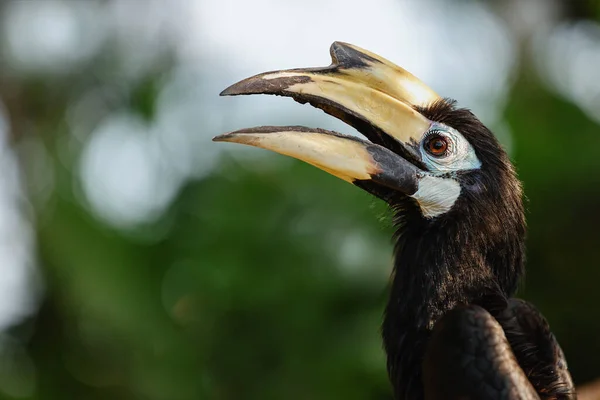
(451,328)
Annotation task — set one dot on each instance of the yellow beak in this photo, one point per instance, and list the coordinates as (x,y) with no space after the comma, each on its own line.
(368,92)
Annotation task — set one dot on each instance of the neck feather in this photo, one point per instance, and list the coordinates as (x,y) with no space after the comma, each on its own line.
(438,265)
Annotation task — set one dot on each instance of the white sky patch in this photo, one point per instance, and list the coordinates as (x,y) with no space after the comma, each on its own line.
(18,294)
(568,59)
(51,36)
(122,175)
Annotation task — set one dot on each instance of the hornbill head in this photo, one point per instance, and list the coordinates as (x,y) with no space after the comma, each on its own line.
(429,160)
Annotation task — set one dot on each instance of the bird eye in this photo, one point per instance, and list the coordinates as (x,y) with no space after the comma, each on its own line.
(437,145)
(443,149)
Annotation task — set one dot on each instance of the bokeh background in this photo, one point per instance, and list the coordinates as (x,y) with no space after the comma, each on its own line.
(139,260)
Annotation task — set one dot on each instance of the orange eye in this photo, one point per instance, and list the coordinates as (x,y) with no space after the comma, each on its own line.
(437,146)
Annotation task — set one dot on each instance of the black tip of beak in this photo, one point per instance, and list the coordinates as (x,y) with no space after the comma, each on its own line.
(257,85)
(228,92)
(227,137)
(253,85)
(349,57)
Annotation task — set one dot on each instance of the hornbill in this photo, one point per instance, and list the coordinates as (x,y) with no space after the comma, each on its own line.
(451,329)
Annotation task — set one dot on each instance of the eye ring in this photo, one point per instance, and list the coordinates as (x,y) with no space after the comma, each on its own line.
(437,145)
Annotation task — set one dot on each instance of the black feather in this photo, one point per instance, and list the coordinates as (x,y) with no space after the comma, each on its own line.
(472,255)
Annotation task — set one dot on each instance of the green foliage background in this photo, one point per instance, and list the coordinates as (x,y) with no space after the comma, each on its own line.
(240,291)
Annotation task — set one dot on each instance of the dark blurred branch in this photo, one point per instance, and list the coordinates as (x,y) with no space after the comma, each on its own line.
(577,10)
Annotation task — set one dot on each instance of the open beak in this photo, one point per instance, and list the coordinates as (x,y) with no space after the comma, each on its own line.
(364,90)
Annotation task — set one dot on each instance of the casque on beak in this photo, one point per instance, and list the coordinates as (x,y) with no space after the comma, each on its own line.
(367,92)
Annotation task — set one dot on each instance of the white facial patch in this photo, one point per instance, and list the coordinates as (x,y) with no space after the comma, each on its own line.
(436,195)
